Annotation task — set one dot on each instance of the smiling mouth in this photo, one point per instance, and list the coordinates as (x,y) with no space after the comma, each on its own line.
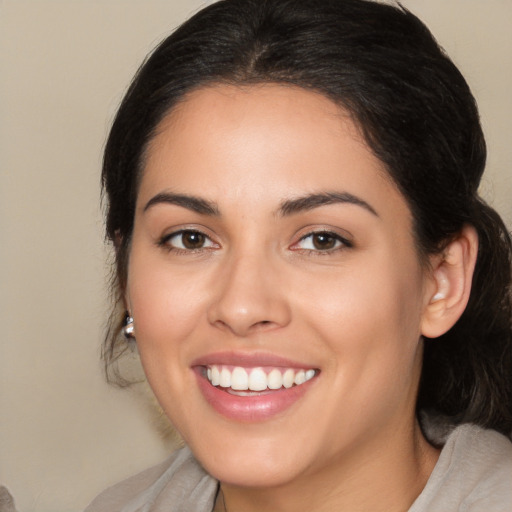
(240,381)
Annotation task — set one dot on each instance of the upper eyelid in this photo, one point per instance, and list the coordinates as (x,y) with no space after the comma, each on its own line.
(176,230)
(337,233)
(184,230)
(344,241)
(324,232)
(165,238)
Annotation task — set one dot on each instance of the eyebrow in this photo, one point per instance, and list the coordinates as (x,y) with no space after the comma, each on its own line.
(311,201)
(195,204)
(288,207)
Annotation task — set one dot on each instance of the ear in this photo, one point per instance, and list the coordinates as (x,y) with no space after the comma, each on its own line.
(449,284)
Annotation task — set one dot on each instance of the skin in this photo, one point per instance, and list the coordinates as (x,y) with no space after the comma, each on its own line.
(258,284)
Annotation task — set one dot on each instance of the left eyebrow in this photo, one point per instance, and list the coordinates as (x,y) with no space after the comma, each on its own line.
(311,201)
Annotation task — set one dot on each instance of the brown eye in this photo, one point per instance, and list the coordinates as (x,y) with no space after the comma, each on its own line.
(188,240)
(323,241)
(192,239)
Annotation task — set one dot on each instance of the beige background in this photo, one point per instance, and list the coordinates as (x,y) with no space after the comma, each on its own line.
(64,434)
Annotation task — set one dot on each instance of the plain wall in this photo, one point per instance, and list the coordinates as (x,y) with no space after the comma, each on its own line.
(64,65)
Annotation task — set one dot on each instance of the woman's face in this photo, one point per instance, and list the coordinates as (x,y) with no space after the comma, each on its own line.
(271,250)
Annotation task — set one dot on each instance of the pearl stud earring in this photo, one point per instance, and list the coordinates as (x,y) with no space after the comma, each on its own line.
(129,328)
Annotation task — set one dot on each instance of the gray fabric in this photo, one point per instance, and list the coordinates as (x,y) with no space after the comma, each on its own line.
(179,484)
(473,474)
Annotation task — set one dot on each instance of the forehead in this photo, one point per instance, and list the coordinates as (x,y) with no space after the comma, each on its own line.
(262,141)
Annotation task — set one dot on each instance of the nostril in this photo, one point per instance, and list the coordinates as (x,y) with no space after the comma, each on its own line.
(263,324)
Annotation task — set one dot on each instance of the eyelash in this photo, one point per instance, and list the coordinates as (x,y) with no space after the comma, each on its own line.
(340,243)
(165,241)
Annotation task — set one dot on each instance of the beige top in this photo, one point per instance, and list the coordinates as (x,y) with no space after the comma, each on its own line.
(473,474)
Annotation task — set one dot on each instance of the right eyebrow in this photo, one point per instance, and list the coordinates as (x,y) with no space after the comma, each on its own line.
(193,203)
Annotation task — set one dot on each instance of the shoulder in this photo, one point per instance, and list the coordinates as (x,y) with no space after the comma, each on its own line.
(179,483)
(473,473)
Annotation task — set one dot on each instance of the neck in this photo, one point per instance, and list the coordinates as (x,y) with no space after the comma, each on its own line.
(378,479)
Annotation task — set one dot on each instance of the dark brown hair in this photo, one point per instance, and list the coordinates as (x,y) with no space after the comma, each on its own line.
(381,64)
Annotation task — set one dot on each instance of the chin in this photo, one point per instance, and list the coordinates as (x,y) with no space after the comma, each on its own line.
(249,455)
(244,470)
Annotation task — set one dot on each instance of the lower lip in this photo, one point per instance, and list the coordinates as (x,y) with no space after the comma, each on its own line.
(251,408)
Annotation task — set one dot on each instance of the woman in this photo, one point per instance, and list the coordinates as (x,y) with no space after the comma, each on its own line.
(320,299)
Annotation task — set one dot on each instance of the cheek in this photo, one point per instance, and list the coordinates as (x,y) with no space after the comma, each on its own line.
(167,306)
(365,300)
(160,298)
(369,315)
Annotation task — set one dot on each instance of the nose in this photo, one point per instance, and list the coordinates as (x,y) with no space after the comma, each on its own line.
(249,296)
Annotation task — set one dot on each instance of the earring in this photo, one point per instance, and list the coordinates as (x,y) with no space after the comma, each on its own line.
(129,328)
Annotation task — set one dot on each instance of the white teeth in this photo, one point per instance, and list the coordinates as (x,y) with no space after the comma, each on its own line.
(215,378)
(288,378)
(239,379)
(256,379)
(300,377)
(275,379)
(225,378)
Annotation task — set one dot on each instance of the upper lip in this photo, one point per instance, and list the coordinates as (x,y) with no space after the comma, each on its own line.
(248,360)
